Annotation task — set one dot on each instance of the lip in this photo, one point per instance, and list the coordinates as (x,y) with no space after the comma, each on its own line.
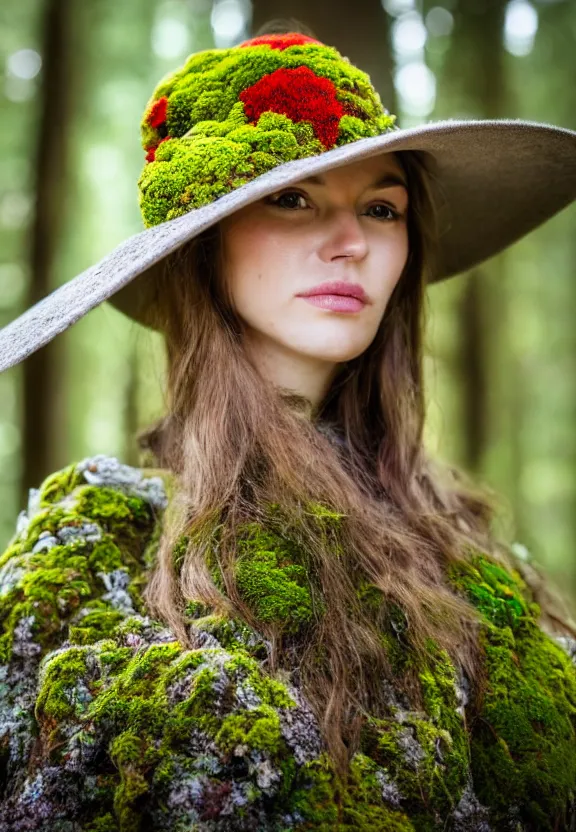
(337,287)
(335,303)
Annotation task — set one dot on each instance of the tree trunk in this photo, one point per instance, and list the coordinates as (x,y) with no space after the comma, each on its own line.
(474,79)
(42,372)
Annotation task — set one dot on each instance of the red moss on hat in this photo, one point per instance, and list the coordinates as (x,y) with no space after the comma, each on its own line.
(299,94)
(157,114)
(151,155)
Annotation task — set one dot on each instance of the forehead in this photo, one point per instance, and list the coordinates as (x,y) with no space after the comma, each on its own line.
(379,171)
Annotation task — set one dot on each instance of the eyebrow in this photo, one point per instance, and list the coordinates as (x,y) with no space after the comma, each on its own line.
(386,181)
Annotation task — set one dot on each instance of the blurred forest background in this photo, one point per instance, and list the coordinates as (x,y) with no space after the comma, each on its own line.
(501,345)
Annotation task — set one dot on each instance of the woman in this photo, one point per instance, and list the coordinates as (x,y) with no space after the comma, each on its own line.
(297,619)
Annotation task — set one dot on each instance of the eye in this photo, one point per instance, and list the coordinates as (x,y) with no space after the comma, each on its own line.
(381,209)
(291,200)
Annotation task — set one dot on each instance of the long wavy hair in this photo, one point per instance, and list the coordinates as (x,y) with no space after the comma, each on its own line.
(236,444)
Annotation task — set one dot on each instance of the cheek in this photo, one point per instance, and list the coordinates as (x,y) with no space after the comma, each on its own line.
(391,257)
(260,262)
(256,265)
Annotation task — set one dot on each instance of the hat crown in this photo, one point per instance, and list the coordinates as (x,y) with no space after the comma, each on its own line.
(230,115)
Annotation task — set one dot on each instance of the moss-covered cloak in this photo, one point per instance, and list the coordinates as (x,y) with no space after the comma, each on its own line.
(107,723)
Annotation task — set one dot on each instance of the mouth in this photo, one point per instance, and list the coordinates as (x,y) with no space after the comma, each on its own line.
(337,288)
(335,303)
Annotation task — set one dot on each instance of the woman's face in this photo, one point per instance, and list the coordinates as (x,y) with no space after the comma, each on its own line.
(347,225)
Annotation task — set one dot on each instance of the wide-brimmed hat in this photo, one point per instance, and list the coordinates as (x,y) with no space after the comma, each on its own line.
(235,125)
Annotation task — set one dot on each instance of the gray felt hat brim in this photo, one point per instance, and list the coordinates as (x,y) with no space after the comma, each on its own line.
(493,182)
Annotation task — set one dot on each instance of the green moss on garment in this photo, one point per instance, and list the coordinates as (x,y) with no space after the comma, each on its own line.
(231,633)
(271,691)
(179,551)
(59,485)
(127,751)
(329,522)
(370,597)
(53,588)
(124,516)
(14,550)
(523,736)
(58,685)
(438,685)
(100,622)
(49,519)
(103,823)
(424,753)
(196,609)
(428,763)
(148,702)
(393,639)
(274,587)
(106,556)
(257,729)
(315,797)
(272,575)
(499,594)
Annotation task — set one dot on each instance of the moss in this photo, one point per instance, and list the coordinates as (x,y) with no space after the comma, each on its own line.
(59,678)
(231,633)
(179,551)
(427,764)
(14,550)
(99,623)
(524,736)
(275,588)
(370,597)
(99,530)
(59,485)
(122,515)
(207,147)
(324,805)
(500,595)
(103,823)
(106,556)
(49,519)
(523,730)
(148,702)
(271,691)
(52,587)
(257,729)
(425,754)
(143,709)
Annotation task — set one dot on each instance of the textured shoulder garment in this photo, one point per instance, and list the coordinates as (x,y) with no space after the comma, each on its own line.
(107,723)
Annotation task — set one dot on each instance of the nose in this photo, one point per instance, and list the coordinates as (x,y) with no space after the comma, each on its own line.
(343,237)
